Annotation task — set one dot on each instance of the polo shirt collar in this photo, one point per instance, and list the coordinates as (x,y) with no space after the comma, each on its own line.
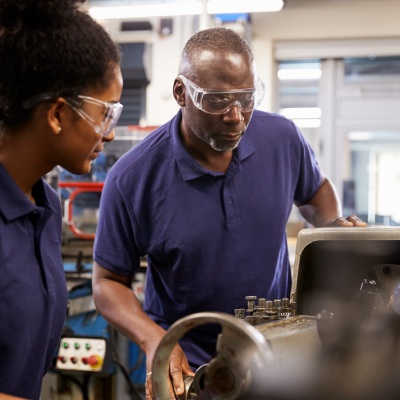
(13,202)
(190,169)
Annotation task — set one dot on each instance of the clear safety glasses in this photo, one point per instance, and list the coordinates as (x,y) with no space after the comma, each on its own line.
(101,115)
(215,101)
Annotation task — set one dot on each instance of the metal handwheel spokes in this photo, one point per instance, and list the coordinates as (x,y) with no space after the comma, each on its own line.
(241,353)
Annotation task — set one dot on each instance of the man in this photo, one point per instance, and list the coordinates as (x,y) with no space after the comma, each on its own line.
(207,198)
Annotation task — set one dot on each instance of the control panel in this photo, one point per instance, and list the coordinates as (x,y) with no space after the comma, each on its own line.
(86,354)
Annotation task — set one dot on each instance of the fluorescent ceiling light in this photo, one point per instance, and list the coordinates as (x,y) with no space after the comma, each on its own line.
(243,6)
(360,136)
(307,123)
(165,9)
(287,74)
(303,117)
(301,112)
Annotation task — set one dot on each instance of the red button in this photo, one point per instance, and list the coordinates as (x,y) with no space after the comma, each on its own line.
(94,361)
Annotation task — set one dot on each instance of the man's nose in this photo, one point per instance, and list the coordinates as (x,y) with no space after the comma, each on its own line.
(234,113)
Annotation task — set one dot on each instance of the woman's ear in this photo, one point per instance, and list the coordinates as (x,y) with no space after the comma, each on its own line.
(179,92)
(56,115)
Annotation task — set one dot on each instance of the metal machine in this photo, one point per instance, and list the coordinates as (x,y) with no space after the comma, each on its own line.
(337,337)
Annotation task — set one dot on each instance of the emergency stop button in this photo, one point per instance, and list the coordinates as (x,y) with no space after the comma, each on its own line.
(94,361)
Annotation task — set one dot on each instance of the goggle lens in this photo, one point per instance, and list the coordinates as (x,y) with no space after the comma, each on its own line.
(102,116)
(220,102)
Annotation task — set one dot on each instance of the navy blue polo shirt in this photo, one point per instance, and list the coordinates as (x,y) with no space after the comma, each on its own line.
(211,239)
(33,291)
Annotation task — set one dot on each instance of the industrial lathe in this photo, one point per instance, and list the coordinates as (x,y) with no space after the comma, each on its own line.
(336,337)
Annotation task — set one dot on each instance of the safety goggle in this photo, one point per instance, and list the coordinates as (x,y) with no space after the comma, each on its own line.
(215,101)
(101,115)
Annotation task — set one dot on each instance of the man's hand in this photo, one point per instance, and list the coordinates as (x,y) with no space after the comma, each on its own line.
(178,366)
(350,221)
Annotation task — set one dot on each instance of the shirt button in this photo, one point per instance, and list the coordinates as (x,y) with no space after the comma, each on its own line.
(229,201)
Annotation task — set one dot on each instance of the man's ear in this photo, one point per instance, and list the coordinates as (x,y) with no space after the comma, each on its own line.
(179,92)
(56,114)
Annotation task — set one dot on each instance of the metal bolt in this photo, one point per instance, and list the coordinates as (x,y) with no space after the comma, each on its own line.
(239,313)
(387,270)
(251,300)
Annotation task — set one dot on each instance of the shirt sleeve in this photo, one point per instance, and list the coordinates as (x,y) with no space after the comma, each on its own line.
(115,246)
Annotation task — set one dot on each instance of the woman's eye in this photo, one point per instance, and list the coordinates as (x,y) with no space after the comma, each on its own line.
(107,115)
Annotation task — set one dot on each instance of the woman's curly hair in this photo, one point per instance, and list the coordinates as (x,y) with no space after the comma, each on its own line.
(49,47)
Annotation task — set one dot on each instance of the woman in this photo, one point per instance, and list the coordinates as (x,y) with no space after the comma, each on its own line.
(60,83)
